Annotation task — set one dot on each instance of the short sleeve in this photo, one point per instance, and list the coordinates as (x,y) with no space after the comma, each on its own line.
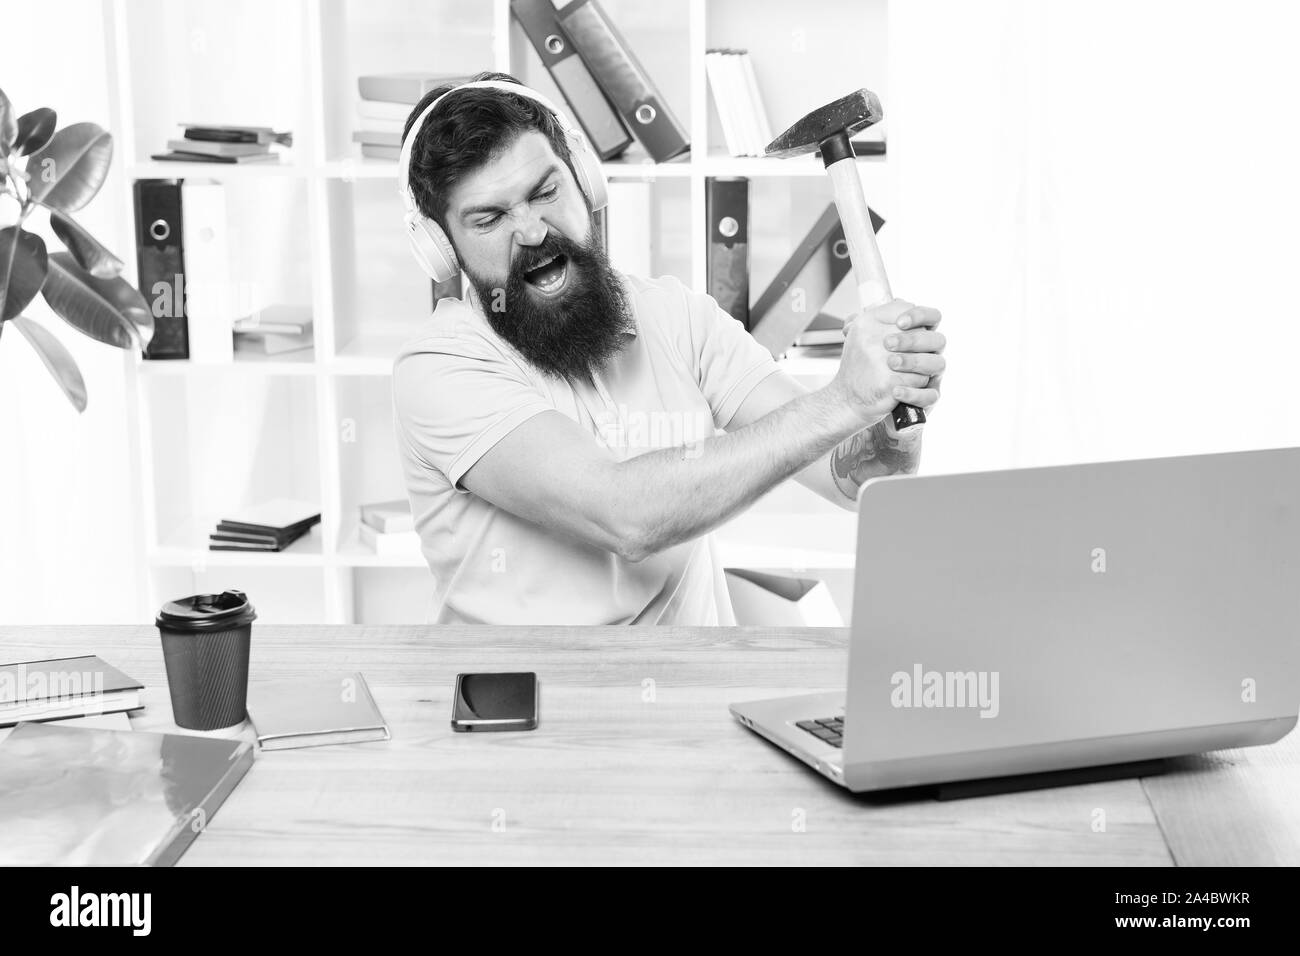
(728,362)
(455,397)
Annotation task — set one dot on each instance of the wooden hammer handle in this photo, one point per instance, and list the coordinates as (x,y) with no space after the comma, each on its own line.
(868,266)
(851,204)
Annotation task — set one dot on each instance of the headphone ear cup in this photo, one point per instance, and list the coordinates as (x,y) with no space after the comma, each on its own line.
(591,178)
(431,247)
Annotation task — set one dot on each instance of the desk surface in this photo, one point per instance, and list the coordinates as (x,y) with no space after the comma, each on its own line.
(638,761)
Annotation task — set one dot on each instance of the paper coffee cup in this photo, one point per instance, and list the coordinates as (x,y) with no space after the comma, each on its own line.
(206,640)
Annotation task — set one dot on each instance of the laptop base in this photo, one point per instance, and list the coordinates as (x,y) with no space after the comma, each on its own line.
(964,789)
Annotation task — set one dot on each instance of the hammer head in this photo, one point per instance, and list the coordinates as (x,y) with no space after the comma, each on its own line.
(847,115)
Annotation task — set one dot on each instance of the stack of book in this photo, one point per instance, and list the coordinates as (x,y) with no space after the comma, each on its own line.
(386,103)
(269,526)
(64,687)
(388,528)
(274,330)
(205,143)
(738,101)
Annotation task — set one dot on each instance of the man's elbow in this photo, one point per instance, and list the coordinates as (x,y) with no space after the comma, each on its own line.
(635,545)
(631,537)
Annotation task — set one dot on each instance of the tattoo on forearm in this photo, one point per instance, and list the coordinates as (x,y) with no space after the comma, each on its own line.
(869,454)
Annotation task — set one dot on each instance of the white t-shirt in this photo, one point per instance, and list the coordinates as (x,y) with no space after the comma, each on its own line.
(459,388)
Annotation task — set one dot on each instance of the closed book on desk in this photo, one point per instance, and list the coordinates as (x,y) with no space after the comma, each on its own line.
(64,687)
(314,712)
(75,796)
(623,80)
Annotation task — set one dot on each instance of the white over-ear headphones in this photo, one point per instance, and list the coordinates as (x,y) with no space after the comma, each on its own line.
(429,244)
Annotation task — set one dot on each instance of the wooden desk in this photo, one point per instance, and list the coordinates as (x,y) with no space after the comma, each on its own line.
(614,777)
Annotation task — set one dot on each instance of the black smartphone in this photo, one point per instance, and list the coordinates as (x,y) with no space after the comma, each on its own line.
(487,702)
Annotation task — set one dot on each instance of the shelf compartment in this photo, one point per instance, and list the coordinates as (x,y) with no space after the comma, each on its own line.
(181,57)
(222,442)
(843,47)
(361,37)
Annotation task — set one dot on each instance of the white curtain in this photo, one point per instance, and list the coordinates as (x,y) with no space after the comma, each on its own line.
(1102,197)
(67,510)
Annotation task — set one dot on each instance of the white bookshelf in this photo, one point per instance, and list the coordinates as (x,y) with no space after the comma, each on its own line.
(322,229)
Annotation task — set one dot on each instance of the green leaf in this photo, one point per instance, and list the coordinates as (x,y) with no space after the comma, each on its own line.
(34,130)
(8,126)
(57,359)
(90,254)
(68,171)
(23,266)
(108,310)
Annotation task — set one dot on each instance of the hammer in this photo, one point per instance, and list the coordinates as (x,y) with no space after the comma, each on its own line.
(828,128)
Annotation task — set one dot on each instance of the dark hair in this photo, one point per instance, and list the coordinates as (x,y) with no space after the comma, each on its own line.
(465,132)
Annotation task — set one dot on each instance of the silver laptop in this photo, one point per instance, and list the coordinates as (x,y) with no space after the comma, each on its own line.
(1018,622)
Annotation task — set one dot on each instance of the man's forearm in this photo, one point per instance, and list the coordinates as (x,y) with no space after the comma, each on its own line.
(676,494)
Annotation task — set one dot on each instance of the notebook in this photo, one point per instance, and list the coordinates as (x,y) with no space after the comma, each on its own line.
(275,515)
(315,711)
(64,687)
(77,796)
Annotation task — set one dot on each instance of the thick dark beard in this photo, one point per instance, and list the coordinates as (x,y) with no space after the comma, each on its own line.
(573,336)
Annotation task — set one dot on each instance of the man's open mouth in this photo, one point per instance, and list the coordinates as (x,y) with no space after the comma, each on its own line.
(550,276)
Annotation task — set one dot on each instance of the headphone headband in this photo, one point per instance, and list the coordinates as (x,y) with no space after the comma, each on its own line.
(404,158)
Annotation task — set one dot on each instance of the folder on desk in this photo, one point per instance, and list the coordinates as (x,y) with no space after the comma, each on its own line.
(588,105)
(337,709)
(624,80)
(76,796)
(803,285)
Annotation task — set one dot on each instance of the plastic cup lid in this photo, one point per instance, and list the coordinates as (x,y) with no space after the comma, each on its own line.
(206,611)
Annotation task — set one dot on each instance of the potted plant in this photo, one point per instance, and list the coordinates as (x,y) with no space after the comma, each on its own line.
(60,172)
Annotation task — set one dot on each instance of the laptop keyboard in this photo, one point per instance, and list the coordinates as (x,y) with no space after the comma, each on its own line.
(829,729)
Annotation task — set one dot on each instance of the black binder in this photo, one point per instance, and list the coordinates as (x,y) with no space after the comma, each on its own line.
(160,263)
(590,108)
(726,200)
(624,80)
(818,264)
